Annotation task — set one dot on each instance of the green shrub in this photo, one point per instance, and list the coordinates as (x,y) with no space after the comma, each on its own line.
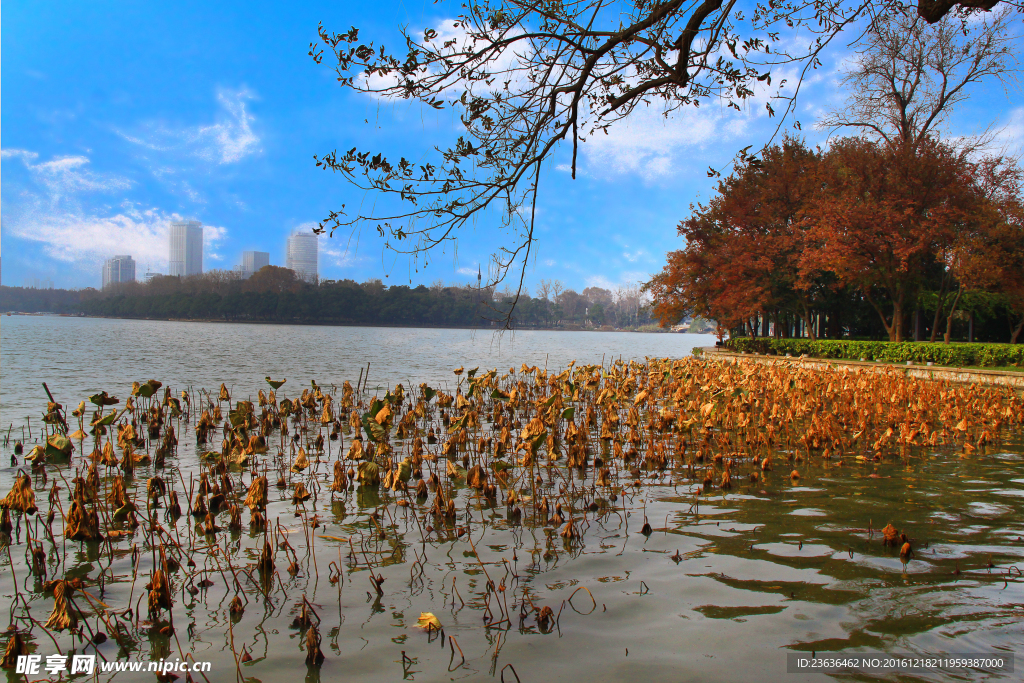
(959,355)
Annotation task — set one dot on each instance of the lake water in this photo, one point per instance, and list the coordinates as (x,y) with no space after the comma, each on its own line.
(77,357)
(721,591)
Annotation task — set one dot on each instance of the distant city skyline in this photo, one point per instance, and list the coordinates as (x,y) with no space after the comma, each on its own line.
(302,255)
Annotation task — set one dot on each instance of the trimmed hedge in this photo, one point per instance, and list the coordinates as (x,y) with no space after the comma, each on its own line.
(956,354)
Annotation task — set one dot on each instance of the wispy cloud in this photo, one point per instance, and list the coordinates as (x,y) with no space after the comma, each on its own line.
(66,175)
(57,209)
(1010,138)
(228,140)
(626,278)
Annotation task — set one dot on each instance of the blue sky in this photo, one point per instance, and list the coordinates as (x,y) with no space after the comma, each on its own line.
(120,117)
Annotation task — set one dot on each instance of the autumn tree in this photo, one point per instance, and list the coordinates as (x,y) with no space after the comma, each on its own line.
(743,250)
(272,279)
(999,262)
(881,213)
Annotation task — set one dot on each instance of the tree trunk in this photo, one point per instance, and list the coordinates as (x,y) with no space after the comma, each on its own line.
(808,317)
(1016,331)
(952,310)
(939,308)
(889,329)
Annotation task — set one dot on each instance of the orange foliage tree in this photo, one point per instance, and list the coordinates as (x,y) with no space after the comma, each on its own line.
(742,253)
(881,214)
(873,219)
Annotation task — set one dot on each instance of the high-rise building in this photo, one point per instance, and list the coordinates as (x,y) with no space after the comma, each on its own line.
(252,261)
(118,269)
(185,256)
(302,255)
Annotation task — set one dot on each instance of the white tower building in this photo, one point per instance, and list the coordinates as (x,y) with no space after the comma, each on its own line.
(118,269)
(302,255)
(186,249)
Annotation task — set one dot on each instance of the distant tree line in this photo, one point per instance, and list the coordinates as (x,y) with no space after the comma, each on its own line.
(275,294)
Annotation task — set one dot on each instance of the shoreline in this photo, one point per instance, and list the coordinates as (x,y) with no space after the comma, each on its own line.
(935,373)
(341,324)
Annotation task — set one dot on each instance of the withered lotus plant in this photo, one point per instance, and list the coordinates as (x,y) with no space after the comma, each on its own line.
(301,462)
(159,593)
(256,499)
(314,655)
(340,482)
(5,525)
(62,617)
(82,524)
(300,495)
(16,647)
(116,496)
(21,497)
(265,564)
(257,521)
(173,507)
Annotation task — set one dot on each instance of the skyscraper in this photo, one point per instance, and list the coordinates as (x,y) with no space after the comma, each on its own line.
(302,255)
(186,249)
(118,269)
(252,261)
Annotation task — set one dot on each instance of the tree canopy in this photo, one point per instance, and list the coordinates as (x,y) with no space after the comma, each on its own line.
(805,229)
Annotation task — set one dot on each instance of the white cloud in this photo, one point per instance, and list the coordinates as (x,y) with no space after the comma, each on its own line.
(228,140)
(626,278)
(86,239)
(67,175)
(50,211)
(654,147)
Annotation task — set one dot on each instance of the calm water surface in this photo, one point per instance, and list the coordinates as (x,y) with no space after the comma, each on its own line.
(719,592)
(77,357)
